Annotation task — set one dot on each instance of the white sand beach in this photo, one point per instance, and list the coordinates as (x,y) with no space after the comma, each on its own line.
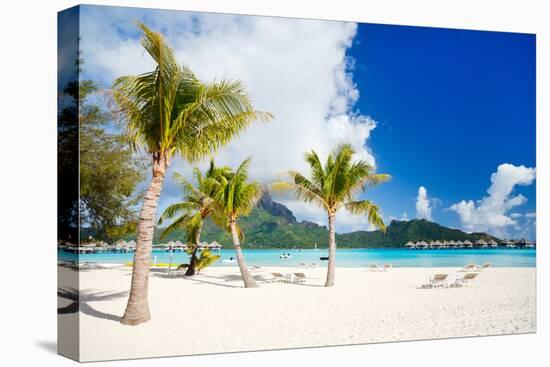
(212,313)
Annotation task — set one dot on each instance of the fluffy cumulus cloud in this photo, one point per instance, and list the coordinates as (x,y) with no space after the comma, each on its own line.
(423,204)
(491,212)
(296,69)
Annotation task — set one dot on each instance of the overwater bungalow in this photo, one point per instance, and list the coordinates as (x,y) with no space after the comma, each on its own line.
(493,244)
(510,244)
(179,246)
(453,244)
(468,244)
(411,245)
(482,244)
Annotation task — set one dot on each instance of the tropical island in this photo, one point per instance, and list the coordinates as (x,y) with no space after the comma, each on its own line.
(273,225)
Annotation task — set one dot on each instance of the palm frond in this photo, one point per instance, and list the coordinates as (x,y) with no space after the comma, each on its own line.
(365,207)
(176,209)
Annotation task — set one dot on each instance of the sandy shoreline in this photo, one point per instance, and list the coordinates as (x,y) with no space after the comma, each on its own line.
(213,313)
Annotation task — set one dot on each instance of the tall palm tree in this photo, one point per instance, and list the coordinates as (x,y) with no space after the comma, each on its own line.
(235,197)
(168,111)
(334,186)
(198,205)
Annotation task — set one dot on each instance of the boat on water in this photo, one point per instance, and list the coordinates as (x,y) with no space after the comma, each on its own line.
(323,258)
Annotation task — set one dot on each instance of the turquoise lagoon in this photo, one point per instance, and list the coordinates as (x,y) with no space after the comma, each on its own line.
(344,257)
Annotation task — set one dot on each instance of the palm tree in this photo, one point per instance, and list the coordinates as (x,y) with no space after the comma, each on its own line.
(236,196)
(168,111)
(334,186)
(191,213)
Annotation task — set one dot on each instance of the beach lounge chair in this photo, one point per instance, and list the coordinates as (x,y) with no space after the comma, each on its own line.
(486,266)
(439,280)
(303,265)
(465,280)
(470,267)
(313,265)
(374,267)
(386,267)
(299,278)
(255,268)
(277,277)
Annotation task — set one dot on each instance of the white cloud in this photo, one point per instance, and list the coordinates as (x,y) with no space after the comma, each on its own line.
(490,213)
(296,69)
(531,215)
(423,205)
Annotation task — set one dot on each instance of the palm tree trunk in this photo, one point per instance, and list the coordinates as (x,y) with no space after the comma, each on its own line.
(249,282)
(193,263)
(137,309)
(331,251)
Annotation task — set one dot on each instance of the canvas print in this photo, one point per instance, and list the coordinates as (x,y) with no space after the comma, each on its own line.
(240,183)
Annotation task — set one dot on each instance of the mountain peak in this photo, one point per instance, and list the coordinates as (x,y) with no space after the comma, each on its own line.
(279,210)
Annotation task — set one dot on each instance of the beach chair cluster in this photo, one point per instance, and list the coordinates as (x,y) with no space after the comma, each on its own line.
(297,278)
(376,267)
(442,280)
(475,267)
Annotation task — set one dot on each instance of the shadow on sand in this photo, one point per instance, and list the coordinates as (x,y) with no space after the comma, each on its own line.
(79,301)
(221,279)
(48,345)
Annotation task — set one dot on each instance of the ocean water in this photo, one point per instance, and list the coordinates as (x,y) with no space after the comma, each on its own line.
(344,257)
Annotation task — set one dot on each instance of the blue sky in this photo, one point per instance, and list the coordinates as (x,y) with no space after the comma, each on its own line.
(452,105)
(450,114)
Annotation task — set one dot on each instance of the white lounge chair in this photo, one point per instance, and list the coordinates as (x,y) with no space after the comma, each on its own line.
(254,268)
(439,280)
(466,279)
(386,267)
(299,278)
(470,267)
(374,267)
(486,266)
(277,277)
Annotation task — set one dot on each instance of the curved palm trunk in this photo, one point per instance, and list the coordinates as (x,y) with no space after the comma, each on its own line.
(137,309)
(249,282)
(331,251)
(191,270)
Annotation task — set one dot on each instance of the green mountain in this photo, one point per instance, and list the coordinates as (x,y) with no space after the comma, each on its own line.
(271,224)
